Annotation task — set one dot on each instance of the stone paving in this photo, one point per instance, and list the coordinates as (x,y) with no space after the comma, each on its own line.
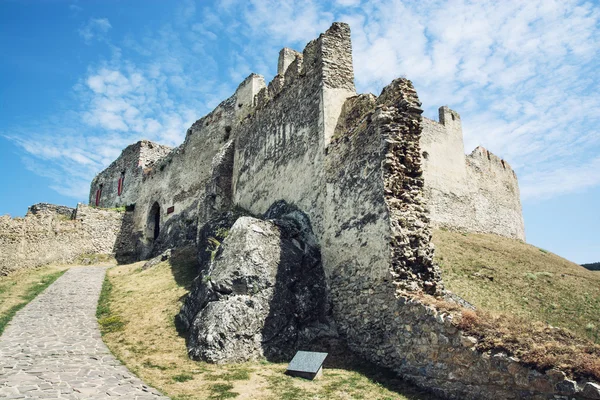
(52,348)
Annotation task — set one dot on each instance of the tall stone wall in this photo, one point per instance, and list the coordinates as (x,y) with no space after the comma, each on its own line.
(478,192)
(279,151)
(52,237)
(377,249)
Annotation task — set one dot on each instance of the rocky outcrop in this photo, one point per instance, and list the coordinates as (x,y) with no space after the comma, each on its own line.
(261,293)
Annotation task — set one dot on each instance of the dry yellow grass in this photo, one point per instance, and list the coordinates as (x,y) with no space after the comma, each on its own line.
(143,304)
(502,275)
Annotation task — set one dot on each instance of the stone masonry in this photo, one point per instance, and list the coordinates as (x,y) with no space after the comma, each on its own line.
(56,234)
(478,192)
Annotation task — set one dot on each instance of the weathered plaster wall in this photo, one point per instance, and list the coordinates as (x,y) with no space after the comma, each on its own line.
(478,193)
(129,168)
(179,180)
(279,150)
(53,237)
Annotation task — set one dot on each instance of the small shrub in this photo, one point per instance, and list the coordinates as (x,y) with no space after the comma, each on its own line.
(531,276)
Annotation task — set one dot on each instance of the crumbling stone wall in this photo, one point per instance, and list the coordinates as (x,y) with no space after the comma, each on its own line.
(51,209)
(380,256)
(478,192)
(51,236)
(119,184)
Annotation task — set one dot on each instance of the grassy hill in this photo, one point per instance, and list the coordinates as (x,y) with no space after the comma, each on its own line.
(503,275)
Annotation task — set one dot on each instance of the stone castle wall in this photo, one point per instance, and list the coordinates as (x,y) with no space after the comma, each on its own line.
(50,236)
(280,150)
(478,192)
(372,175)
(381,255)
(126,173)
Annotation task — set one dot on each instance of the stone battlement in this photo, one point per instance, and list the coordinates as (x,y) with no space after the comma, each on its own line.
(478,192)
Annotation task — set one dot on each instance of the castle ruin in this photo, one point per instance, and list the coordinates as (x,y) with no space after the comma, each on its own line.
(372,176)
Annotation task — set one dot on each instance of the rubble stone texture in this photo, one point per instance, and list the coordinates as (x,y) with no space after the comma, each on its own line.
(55,234)
(52,348)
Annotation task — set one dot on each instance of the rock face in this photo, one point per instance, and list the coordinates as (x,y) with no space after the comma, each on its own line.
(262,293)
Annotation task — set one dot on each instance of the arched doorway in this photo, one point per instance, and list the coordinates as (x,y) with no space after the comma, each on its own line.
(154,221)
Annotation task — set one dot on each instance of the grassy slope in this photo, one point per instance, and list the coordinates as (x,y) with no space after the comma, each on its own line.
(20,287)
(136,313)
(504,275)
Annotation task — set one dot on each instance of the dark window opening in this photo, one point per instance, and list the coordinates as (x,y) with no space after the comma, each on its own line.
(154,221)
(98,195)
(171,210)
(453,117)
(503,165)
(425,155)
(121,183)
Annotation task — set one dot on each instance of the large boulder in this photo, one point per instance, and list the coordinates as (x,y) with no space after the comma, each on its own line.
(261,293)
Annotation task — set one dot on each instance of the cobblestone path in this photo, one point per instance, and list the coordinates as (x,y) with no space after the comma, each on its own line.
(52,348)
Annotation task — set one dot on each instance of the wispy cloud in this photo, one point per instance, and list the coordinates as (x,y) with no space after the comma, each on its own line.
(95,28)
(523,75)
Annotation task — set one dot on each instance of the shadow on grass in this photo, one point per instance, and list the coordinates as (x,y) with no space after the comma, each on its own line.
(184,265)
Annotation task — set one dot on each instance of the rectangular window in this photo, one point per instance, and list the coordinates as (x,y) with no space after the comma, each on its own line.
(170,209)
(121,183)
(98,195)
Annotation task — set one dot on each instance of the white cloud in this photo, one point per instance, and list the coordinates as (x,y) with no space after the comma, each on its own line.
(95,28)
(543,183)
(523,76)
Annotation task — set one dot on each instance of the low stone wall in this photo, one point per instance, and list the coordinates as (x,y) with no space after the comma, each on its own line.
(51,209)
(46,236)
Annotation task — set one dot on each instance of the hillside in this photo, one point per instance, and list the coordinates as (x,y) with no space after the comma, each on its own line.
(504,275)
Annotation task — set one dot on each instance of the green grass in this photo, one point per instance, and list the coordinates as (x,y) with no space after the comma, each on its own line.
(497,274)
(183,377)
(221,391)
(108,322)
(30,293)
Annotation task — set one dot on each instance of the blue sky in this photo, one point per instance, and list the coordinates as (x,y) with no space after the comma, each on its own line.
(80,80)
